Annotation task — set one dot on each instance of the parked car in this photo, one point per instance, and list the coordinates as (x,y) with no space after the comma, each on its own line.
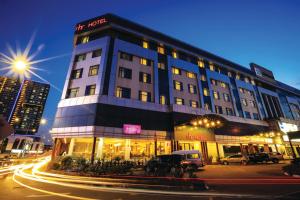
(259,157)
(275,157)
(191,158)
(163,165)
(237,158)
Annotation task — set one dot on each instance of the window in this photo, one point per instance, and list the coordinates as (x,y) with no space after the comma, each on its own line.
(229,111)
(194,104)
(253,82)
(90,90)
(205,92)
(145,78)
(201,63)
(241,90)
(143,61)
(178,85)
(161,66)
(206,106)
(246,80)
(174,54)
(76,73)
(219,109)
(226,97)
(93,71)
(244,102)
(162,99)
(176,71)
(237,77)
(229,74)
(179,101)
(145,45)
(125,73)
(216,95)
(247,115)
(213,82)
(97,53)
(122,92)
(190,75)
(160,50)
(252,103)
(255,116)
(72,92)
(223,85)
(80,57)
(192,89)
(211,67)
(84,40)
(144,96)
(203,78)
(126,56)
(250,93)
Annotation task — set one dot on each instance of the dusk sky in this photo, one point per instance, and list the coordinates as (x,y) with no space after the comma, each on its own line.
(265,32)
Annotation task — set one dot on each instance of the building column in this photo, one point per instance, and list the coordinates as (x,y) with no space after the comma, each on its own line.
(218,152)
(71,146)
(99,153)
(93,150)
(155,147)
(54,150)
(127,149)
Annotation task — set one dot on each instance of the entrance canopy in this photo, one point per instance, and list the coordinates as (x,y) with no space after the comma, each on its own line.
(294,136)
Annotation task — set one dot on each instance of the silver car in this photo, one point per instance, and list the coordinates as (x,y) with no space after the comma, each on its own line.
(237,158)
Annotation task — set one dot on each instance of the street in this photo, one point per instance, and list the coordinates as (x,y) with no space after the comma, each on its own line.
(264,181)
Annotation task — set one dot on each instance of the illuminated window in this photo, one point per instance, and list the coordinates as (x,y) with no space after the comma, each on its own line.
(93,71)
(190,75)
(179,101)
(76,73)
(237,77)
(162,99)
(206,106)
(72,92)
(125,73)
(144,96)
(229,111)
(244,102)
(174,53)
(96,53)
(85,39)
(203,78)
(145,45)
(205,92)
(223,85)
(161,65)
(252,103)
(252,82)
(192,89)
(160,50)
(144,77)
(176,71)
(193,104)
(226,97)
(241,90)
(216,95)
(143,61)
(201,63)
(211,67)
(178,85)
(90,90)
(219,109)
(122,92)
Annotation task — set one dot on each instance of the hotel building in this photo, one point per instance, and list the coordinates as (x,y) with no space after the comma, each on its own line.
(132,92)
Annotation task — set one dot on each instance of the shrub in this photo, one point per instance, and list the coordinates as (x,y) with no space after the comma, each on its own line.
(67,163)
(55,166)
(81,164)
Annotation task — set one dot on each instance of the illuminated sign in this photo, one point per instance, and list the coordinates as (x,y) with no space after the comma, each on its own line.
(131,129)
(91,24)
(286,127)
(193,134)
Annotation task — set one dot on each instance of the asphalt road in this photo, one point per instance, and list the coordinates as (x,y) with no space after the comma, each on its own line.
(226,182)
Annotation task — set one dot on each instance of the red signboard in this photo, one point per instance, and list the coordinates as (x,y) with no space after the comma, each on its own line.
(88,25)
(131,129)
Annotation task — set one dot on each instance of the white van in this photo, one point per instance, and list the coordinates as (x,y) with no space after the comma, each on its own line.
(192,158)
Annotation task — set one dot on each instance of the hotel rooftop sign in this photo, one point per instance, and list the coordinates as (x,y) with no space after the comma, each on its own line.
(91,24)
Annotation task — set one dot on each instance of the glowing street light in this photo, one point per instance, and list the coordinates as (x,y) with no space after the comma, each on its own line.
(43,121)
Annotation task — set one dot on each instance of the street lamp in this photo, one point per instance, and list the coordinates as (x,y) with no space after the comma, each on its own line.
(43,121)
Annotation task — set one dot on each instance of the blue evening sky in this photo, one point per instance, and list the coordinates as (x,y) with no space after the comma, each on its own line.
(266,32)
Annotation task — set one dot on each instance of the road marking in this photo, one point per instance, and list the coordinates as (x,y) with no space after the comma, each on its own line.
(42,195)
